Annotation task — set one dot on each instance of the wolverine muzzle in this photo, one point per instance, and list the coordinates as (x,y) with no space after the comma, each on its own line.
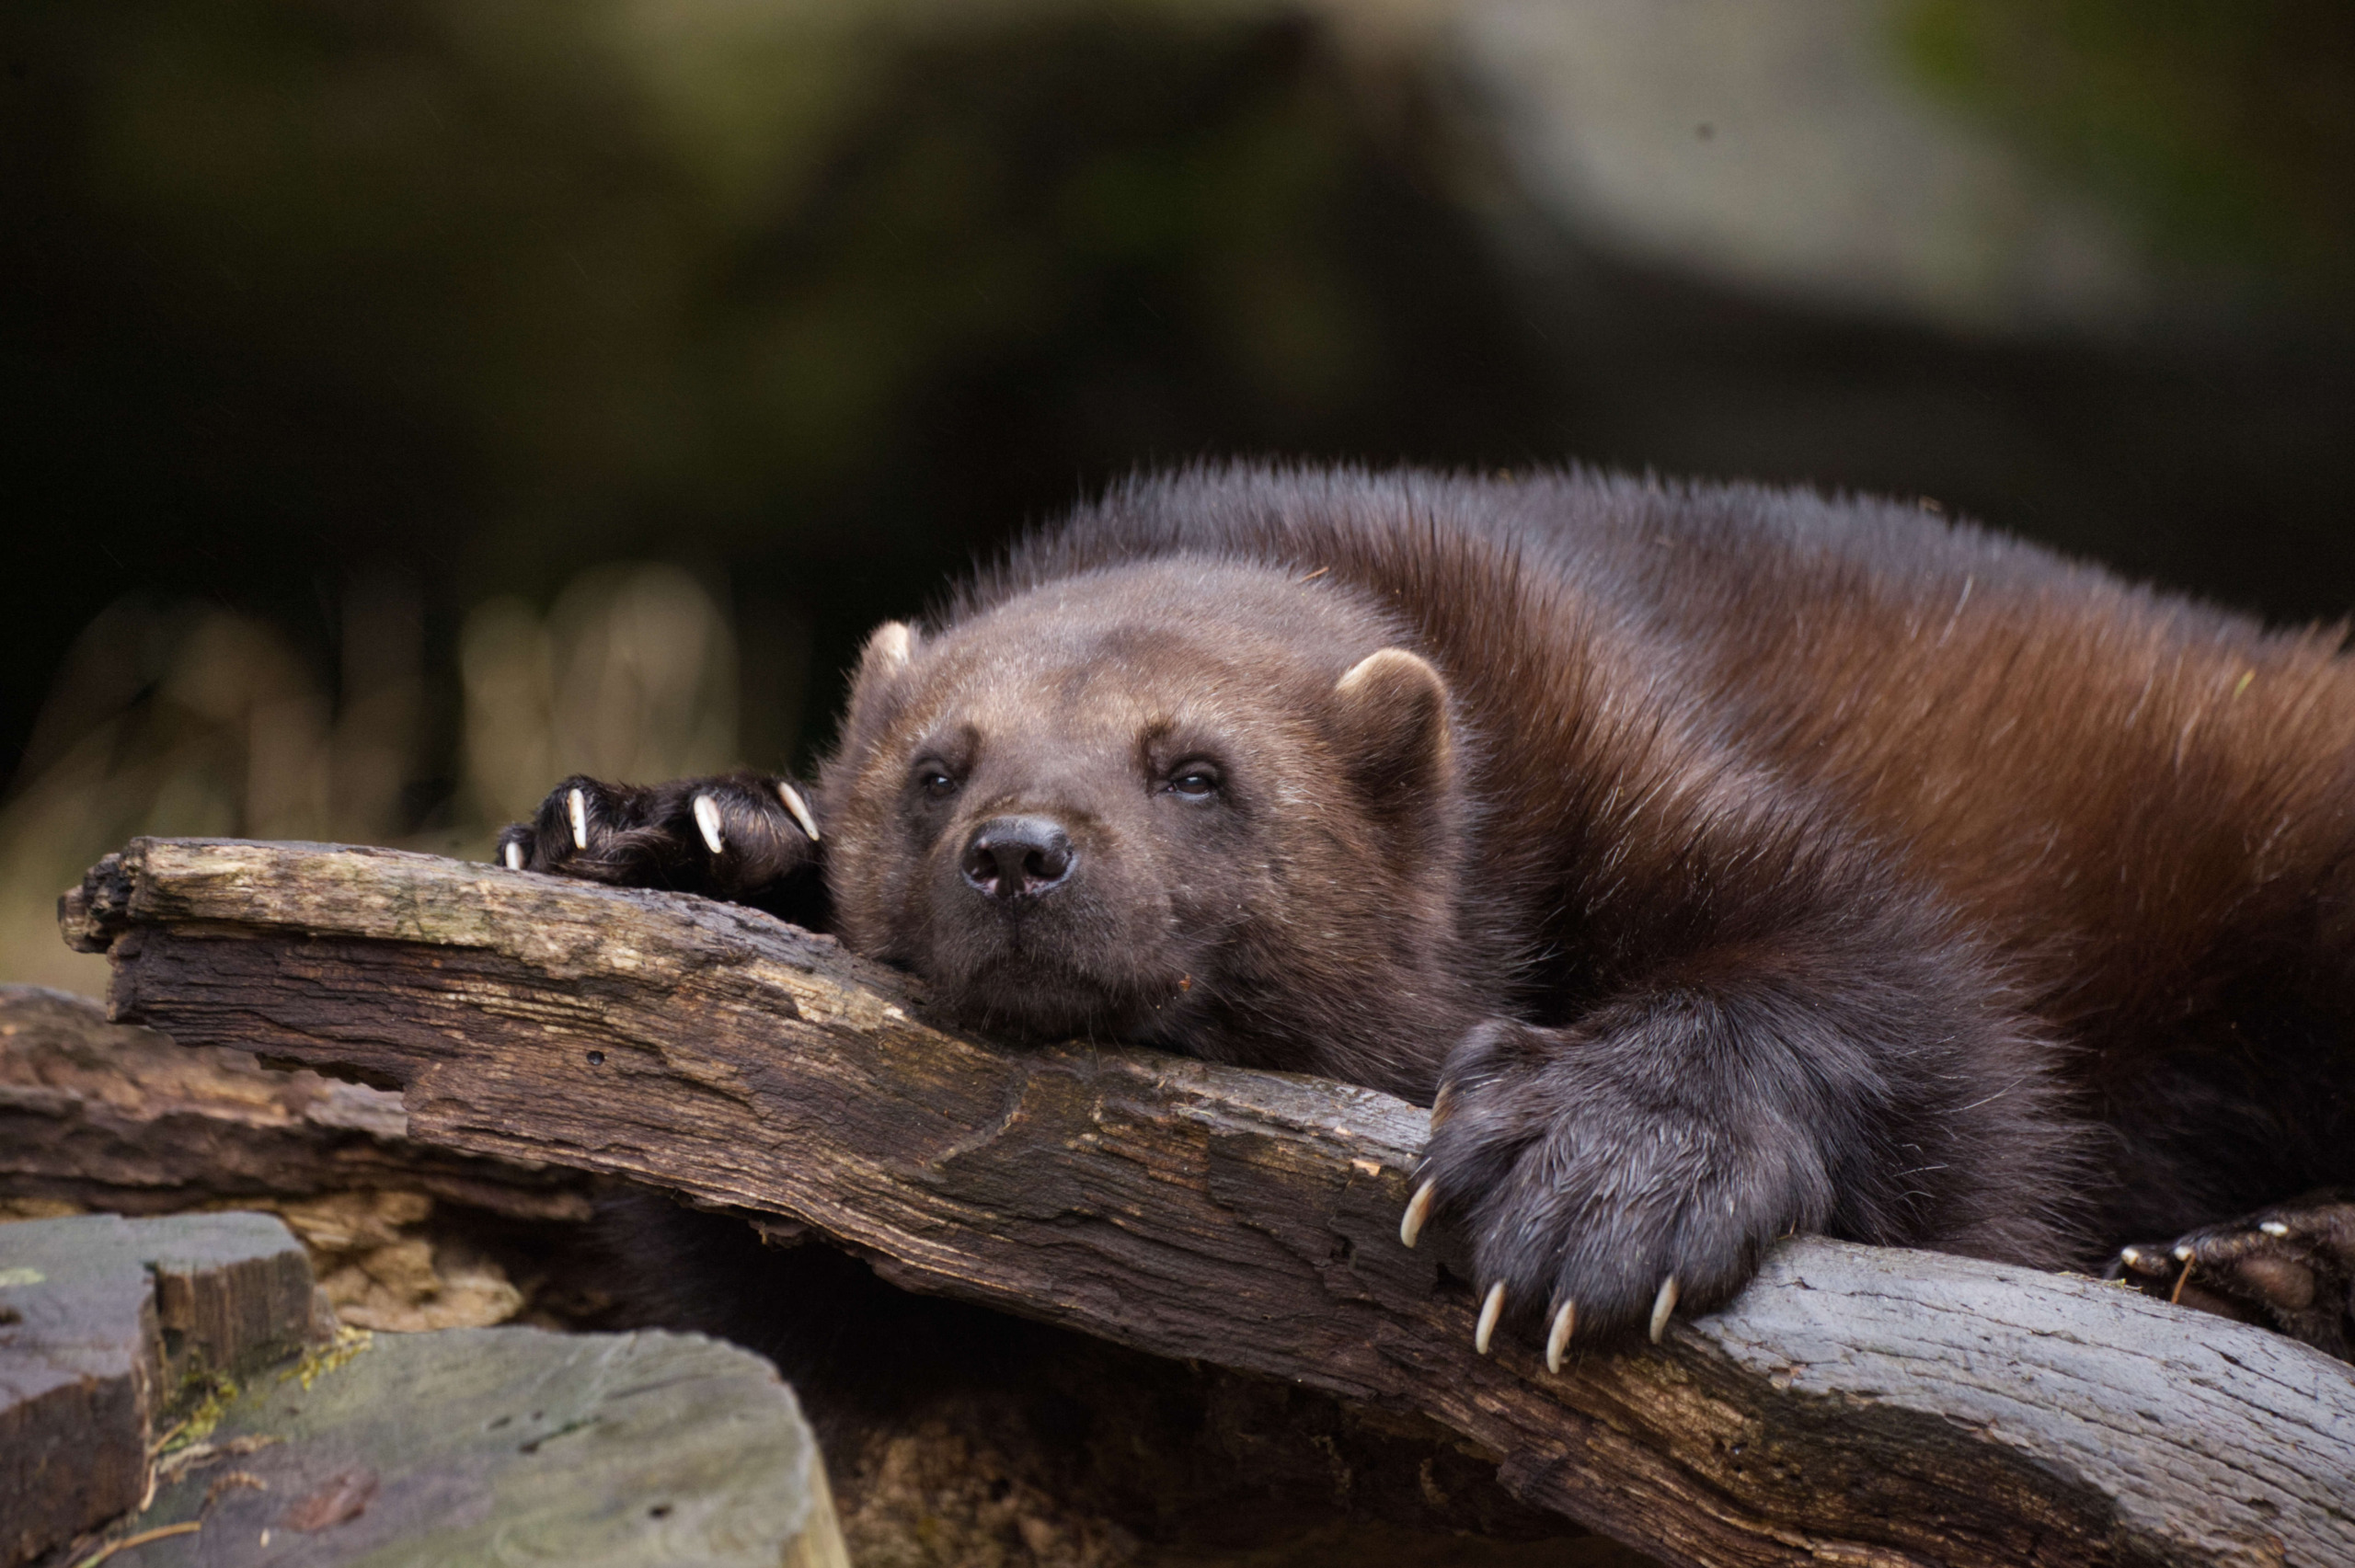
(1018,857)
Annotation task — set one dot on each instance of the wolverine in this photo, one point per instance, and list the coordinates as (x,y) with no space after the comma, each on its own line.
(1715,862)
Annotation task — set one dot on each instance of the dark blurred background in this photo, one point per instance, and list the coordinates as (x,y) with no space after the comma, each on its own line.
(409,402)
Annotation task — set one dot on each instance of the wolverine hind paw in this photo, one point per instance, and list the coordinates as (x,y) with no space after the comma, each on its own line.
(2291,1267)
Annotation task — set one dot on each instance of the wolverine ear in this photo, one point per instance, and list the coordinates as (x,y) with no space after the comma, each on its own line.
(888,649)
(1390,721)
(881,662)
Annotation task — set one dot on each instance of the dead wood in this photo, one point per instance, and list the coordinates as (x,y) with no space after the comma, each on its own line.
(149,1394)
(98,1117)
(95,1116)
(1853,1405)
(105,1323)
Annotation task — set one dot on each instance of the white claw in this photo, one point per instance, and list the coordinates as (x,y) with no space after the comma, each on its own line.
(1565,1322)
(1490,1310)
(799,807)
(1419,1209)
(707,819)
(513,856)
(2274,1227)
(2183,1254)
(2133,1256)
(579,806)
(1662,1305)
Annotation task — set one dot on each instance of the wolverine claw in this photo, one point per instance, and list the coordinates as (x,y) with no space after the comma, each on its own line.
(1565,1323)
(1490,1310)
(707,819)
(1419,1209)
(1662,1305)
(577,803)
(2291,1267)
(799,808)
(512,854)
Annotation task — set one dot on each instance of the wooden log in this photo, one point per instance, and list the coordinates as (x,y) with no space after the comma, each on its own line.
(1853,1405)
(105,1117)
(101,1320)
(99,1115)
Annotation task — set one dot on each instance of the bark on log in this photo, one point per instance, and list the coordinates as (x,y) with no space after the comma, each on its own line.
(1073,1452)
(1853,1406)
(100,1117)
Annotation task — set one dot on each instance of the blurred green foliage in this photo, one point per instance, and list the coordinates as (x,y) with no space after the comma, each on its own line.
(2225,127)
(696,256)
(491,291)
(393,394)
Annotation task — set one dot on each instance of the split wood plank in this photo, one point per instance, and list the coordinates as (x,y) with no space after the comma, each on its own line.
(99,1115)
(102,1321)
(1853,1405)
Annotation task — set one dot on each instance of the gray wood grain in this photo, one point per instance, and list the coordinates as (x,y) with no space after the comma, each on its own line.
(1853,1405)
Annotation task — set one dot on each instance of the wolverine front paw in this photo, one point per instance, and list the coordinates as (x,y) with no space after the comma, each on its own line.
(2291,1267)
(729,836)
(1599,1198)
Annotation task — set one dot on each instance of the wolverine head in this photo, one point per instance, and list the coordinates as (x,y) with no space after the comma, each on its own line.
(1180,803)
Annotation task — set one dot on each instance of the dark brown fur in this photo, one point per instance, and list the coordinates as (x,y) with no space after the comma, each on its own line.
(1725,861)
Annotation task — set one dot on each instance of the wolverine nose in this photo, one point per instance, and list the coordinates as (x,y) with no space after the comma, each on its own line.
(1009,857)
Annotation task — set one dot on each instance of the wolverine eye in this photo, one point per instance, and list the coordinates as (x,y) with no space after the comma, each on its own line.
(935,781)
(1193,780)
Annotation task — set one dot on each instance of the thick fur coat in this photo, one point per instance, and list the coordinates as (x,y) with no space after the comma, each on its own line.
(1718,862)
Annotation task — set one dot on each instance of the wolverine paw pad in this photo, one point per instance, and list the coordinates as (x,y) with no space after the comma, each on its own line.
(2291,1267)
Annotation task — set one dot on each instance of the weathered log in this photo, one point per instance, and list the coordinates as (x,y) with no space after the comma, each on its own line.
(106,1117)
(1091,1442)
(1853,1405)
(95,1116)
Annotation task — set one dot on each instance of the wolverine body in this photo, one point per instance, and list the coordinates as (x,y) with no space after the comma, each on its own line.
(1718,862)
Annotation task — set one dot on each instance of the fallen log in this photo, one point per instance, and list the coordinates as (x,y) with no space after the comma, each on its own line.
(93,1116)
(1853,1405)
(108,1118)
(1088,1443)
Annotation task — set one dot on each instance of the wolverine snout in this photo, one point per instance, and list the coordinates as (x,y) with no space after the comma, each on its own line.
(1014,857)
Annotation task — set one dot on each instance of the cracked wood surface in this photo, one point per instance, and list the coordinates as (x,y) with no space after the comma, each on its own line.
(102,1117)
(1853,1406)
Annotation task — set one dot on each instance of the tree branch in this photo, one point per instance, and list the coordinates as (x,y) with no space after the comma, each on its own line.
(1853,1405)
